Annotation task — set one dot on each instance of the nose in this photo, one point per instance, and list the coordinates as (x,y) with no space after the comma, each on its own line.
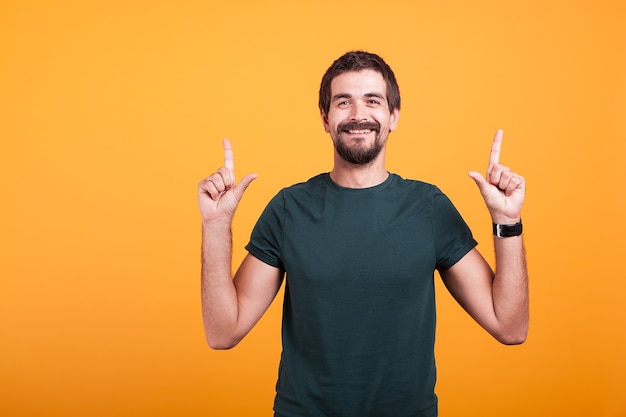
(359,111)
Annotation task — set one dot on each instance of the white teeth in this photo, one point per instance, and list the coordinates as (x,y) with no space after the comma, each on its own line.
(357,132)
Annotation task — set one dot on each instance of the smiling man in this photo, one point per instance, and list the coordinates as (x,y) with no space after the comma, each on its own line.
(359,247)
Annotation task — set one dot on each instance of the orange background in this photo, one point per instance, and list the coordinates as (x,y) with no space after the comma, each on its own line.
(111,113)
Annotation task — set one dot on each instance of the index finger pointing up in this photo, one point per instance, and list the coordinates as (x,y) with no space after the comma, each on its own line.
(494,158)
(229,159)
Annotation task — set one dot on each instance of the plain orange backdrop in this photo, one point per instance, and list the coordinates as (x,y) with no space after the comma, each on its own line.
(112,112)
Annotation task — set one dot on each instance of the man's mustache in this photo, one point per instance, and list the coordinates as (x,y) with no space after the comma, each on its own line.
(358,126)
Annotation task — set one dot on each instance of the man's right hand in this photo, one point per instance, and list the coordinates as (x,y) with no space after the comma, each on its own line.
(219,194)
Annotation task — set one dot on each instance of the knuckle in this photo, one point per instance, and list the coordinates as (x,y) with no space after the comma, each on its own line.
(211,178)
(225,175)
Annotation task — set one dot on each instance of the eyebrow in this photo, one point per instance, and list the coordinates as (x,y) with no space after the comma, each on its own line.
(376,95)
(367,95)
(341,96)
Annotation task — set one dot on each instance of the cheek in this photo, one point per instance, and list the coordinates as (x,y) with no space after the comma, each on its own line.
(332,124)
(386,124)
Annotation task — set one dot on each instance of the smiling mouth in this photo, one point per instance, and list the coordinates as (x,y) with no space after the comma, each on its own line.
(356,128)
(359,131)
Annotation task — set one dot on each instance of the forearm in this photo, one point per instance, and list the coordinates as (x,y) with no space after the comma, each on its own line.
(219,296)
(510,289)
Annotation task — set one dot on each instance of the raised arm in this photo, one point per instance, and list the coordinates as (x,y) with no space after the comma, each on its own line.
(497,301)
(230,307)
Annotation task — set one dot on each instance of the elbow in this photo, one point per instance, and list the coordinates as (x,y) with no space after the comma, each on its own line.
(512,332)
(512,338)
(221,342)
(221,346)
(220,337)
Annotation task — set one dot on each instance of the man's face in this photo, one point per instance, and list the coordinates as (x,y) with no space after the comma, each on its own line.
(358,119)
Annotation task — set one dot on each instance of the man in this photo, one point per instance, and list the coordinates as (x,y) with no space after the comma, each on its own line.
(359,247)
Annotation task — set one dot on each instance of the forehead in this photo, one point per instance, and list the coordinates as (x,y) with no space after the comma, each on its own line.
(358,83)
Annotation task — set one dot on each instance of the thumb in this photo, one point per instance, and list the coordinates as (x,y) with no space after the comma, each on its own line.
(243,185)
(480,181)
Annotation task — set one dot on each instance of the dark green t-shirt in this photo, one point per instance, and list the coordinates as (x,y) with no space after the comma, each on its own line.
(359,309)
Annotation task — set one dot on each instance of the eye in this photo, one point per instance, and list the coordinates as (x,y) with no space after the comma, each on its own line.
(343,103)
(373,102)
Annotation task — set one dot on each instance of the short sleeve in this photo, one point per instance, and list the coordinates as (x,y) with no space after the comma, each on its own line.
(453,238)
(266,238)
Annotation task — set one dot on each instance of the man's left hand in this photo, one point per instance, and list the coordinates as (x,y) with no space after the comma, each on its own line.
(502,189)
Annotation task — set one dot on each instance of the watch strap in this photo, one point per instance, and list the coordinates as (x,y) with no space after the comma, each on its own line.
(507,230)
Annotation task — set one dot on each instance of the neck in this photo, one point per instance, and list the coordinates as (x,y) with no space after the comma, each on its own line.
(347,175)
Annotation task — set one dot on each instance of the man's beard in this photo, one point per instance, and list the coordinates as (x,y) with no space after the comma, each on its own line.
(358,154)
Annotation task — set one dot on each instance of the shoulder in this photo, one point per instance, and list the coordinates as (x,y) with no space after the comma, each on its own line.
(312,185)
(413,187)
(428,198)
(316,181)
(302,193)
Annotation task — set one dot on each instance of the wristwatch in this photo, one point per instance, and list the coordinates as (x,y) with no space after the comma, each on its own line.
(507,230)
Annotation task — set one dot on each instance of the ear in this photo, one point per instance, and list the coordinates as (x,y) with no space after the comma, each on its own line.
(325,121)
(393,120)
